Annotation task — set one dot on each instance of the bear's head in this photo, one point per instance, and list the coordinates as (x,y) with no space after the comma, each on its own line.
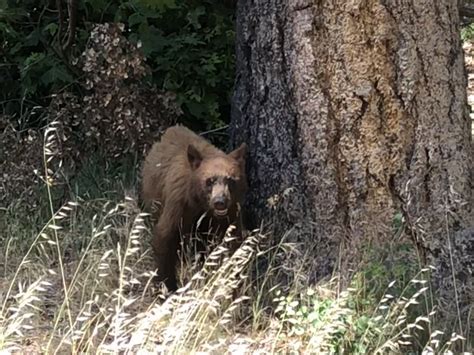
(220,180)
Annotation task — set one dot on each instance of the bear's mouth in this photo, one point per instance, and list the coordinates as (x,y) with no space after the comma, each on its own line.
(221,213)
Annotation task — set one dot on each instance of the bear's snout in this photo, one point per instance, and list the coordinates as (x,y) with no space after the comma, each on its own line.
(220,199)
(220,204)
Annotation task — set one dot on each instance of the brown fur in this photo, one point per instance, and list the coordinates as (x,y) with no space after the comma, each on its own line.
(188,177)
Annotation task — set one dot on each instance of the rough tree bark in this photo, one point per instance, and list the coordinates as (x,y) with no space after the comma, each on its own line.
(354,111)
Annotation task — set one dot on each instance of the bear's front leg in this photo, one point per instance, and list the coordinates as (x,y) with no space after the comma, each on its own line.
(165,247)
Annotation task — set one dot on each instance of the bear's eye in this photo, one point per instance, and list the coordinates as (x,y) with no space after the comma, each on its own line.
(210,182)
(230,181)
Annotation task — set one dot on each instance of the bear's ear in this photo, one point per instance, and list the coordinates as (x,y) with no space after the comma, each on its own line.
(239,153)
(194,157)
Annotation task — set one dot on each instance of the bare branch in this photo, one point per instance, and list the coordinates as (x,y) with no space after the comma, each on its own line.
(59,5)
(72,9)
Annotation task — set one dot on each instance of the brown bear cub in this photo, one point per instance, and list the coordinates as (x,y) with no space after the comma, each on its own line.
(188,177)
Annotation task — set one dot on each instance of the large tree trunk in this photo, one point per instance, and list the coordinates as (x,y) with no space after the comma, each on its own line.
(354,111)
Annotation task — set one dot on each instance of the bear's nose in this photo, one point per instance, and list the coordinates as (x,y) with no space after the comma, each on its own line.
(219,203)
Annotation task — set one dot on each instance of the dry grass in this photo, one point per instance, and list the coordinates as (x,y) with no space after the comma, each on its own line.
(95,296)
(82,284)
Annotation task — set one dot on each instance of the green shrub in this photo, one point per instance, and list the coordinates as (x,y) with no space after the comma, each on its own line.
(187,44)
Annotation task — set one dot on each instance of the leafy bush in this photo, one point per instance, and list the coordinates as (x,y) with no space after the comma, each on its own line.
(117,117)
(467,32)
(187,44)
(118,114)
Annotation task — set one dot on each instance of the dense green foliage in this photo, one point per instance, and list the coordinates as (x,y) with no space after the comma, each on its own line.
(188,45)
(467,32)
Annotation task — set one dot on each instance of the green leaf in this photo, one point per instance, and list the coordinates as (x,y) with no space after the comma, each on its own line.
(16,48)
(33,38)
(159,5)
(151,38)
(313,316)
(98,6)
(56,74)
(51,28)
(193,16)
(196,109)
(135,19)
(3,6)
(32,60)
